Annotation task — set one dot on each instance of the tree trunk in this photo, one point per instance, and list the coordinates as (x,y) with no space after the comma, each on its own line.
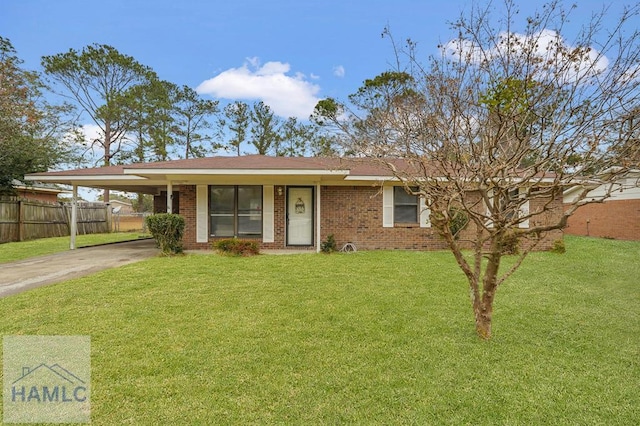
(483,321)
(483,308)
(107,154)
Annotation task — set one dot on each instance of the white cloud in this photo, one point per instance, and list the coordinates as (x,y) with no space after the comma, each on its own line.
(556,57)
(287,95)
(91,132)
(338,71)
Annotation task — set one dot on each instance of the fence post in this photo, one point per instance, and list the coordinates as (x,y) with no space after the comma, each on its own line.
(109,218)
(21,230)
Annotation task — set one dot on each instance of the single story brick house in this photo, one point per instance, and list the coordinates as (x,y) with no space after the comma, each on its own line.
(284,202)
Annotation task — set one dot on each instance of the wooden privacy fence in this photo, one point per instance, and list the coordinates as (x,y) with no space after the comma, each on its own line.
(22,220)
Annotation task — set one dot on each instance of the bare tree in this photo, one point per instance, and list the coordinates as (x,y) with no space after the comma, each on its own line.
(496,126)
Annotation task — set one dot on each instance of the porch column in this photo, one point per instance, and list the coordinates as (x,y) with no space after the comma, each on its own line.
(318,216)
(169,197)
(73,229)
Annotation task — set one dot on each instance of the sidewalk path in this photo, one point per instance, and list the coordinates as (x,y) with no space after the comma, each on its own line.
(23,275)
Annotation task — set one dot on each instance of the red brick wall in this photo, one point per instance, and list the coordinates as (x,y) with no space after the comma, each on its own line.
(160,202)
(551,216)
(619,219)
(352,214)
(188,211)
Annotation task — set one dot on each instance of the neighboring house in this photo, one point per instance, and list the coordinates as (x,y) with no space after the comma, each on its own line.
(46,193)
(284,202)
(618,216)
(121,207)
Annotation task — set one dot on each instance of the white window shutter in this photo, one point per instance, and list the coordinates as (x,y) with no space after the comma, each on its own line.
(524,210)
(268,225)
(425,221)
(202,213)
(387,206)
(487,209)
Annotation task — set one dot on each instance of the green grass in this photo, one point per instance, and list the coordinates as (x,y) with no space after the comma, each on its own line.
(10,252)
(369,337)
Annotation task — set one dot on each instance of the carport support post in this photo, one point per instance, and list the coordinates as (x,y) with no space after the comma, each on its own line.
(74,218)
(169,197)
(318,216)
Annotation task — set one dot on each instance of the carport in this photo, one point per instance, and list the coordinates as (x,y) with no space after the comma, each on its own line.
(112,178)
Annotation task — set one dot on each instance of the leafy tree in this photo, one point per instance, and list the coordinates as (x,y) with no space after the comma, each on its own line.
(96,78)
(31,130)
(300,139)
(496,126)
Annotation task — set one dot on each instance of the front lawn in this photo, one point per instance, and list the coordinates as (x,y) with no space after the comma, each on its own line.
(368,337)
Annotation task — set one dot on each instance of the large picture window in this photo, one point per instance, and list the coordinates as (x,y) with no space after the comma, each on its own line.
(235,210)
(405,206)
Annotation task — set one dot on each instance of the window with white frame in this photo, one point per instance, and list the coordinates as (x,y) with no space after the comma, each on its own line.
(402,208)
(235,210)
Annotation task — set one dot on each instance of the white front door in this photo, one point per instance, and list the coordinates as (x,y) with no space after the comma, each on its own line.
(300,216)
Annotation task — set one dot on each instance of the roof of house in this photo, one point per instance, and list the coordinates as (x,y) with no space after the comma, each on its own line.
(38,187)
(359,166)
(153,177)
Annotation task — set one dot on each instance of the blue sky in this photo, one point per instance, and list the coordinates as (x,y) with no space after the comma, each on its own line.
(288,53)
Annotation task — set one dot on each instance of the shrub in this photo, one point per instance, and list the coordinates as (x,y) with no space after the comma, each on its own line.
(167,229)
(329,246)
(237,247)
(558,247)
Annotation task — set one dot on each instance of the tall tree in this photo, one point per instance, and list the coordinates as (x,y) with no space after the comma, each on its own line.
(237,122)
(298,139)
(194,117)
(96,78)
(497,126)
(150,107)
(265,128)
(31,130)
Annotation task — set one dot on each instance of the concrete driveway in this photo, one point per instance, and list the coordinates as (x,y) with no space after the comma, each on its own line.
(22,275)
